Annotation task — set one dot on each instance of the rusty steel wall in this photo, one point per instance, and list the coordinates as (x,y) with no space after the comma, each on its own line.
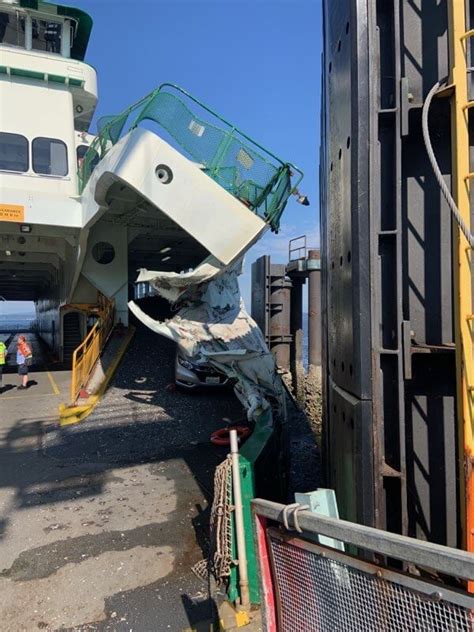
(270,309)
(388,351)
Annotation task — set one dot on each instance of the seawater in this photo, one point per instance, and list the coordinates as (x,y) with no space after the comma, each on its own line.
(15,322)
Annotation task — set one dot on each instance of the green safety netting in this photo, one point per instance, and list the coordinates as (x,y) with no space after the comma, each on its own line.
(249,172)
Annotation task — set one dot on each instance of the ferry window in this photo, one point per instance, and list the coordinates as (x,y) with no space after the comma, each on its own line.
(81,152)
(12,29)
(46,36)
(13,152)
(49,157)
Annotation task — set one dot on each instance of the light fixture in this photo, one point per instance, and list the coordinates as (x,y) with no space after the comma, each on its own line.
(166,258)
(166,249)
(8,253)
(303,199)
(25,228)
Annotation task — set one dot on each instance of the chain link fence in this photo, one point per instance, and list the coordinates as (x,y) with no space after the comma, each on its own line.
(339,594)
(308,587)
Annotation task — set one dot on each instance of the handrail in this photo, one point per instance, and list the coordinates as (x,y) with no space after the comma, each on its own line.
(438,557)
(266,196)
(87,353)
(292,249)
(176,87)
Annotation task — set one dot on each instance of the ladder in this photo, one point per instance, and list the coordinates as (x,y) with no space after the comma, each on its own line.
(463,178)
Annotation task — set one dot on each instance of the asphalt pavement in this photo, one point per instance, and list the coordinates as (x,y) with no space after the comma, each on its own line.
(101,523)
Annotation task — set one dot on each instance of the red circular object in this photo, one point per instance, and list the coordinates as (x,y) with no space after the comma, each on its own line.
(222,436)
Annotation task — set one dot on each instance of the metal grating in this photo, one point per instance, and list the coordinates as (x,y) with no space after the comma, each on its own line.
(323,590)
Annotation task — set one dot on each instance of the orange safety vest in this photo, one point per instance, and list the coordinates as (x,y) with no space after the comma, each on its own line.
(24,349)
(3,353)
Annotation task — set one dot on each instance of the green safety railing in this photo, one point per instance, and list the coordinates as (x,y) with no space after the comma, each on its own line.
(243,167)
(261,464)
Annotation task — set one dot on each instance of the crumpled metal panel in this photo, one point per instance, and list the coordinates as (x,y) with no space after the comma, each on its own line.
(212,324)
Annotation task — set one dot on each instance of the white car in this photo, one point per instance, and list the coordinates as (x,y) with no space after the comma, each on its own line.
(191,374)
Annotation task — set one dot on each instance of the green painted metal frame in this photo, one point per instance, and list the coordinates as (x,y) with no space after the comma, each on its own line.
(249,455)
(112,127)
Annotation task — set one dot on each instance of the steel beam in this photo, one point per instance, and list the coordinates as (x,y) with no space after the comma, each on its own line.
(297,335)
(314,300)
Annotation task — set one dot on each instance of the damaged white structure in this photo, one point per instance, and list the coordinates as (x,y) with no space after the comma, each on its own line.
(213,325)
(190,194)
(167,185)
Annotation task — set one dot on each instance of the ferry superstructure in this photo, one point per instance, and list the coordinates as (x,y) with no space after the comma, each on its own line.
(167,185)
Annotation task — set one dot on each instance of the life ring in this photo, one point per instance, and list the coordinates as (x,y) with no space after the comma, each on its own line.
(222,436)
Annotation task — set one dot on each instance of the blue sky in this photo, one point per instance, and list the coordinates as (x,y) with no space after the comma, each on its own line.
(256,62)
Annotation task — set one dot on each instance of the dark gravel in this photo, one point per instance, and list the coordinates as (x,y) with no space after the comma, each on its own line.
(142,416)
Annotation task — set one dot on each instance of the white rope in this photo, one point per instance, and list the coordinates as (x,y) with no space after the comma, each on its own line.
(439,177)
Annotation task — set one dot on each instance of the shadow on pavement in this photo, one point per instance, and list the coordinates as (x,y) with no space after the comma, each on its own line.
(138,422)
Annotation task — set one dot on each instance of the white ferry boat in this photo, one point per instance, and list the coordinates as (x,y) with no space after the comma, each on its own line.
(167,185)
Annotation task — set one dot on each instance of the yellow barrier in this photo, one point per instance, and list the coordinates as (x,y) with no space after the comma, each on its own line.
(461,43)
(69,415)
(87,353)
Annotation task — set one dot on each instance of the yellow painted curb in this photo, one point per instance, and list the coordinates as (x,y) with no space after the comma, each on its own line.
(52,381)
(69,415)
(241,619)
(230,618)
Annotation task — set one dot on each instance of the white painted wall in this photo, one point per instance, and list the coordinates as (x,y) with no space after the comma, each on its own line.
(33,112)
(35,109)
(112,278)
(204,209)
(85,95)
(53,64)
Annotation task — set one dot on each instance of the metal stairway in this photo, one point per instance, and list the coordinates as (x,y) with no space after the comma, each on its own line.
(72,335)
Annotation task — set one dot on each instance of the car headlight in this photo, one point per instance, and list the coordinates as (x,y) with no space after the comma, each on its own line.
(185,363)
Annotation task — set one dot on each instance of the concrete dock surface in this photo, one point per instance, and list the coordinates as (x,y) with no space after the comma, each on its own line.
(101,522)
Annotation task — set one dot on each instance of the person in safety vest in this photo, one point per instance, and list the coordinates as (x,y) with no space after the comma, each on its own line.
(23,360)
(3,360)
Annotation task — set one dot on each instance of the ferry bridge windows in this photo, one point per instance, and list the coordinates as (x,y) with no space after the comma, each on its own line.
(13,152)
(49,157)
(46,36)
(12,29)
